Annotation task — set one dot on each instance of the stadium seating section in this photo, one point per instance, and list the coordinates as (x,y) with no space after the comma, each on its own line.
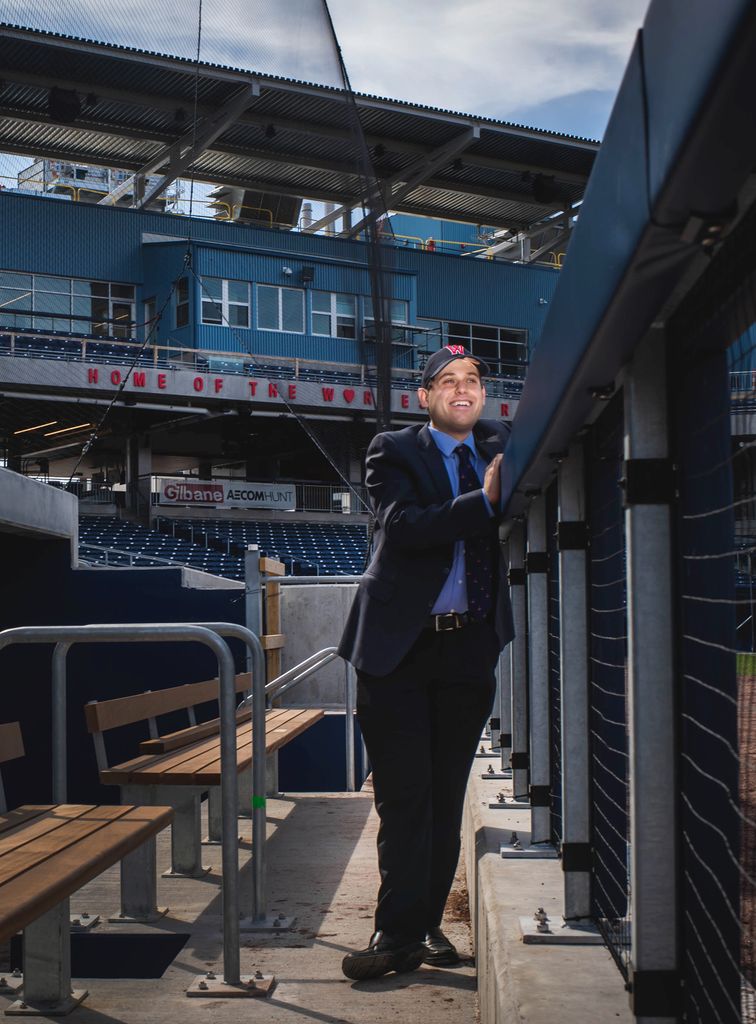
(217,546)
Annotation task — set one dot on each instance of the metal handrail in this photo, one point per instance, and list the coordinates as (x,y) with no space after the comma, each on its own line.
(65,637)
(298,673)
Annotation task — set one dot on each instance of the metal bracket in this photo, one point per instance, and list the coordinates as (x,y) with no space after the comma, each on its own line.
(654,993)
(648,482)
(11,983)
(520,761)
(83,922)
(572,535)
(209,985)
(540,796)
(576,857)
(516,577)
(541,930)
(536,561)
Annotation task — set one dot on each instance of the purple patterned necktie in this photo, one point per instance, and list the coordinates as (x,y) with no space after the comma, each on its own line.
(478,550)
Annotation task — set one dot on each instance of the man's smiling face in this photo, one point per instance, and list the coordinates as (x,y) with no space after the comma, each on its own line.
(455,398)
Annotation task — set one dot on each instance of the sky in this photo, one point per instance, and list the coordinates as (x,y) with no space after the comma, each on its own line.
(553,64)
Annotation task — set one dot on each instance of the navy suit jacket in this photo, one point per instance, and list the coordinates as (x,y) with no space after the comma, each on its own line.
(418,522)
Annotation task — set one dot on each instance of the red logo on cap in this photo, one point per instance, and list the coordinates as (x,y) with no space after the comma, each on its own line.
(456,350)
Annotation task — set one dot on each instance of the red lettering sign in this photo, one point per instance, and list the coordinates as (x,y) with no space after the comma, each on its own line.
(115,377)
(456,350)
(253,387)
(327,394)
(505,408)
(272,390)
(292,391)
(404,401)
(367,397)
(162,381)
(92,376)
(349,394)
(139,378)
(218,384)
(199,383)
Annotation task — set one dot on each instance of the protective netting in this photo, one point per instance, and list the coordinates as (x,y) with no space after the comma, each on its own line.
(290,39)
(555,691)
(608,682)
(715,433)
(76,318)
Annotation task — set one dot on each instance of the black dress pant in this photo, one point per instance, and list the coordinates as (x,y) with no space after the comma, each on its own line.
(422,725)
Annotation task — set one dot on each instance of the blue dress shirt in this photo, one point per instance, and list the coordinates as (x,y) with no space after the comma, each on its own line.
(453,596)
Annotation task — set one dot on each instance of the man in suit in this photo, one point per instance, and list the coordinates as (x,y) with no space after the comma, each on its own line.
(429,620)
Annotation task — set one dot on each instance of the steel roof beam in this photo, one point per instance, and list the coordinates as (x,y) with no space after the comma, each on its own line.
(182,153)
(415,173)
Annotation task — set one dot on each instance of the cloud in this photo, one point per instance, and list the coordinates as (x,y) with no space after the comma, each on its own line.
(492,57)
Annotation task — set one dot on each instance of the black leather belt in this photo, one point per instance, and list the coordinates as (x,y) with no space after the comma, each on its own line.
(447,621)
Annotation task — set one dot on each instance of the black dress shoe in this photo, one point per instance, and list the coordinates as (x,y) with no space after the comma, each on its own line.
(384,953)
(438,950)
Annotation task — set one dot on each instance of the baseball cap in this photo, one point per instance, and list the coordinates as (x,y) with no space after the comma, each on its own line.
(446,355)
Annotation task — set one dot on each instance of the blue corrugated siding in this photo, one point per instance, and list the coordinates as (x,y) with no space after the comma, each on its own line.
(57,237)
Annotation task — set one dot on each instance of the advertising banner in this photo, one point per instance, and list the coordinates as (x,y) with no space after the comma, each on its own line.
(227,493)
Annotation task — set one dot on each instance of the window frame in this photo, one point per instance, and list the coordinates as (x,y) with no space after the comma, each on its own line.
(334,315)
(280,289)
(225,304)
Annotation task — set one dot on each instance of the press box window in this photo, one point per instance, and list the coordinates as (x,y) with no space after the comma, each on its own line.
(280,309)
(225,303)
(334,314)
(182,302)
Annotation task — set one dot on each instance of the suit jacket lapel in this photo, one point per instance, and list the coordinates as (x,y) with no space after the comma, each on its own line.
(433,461)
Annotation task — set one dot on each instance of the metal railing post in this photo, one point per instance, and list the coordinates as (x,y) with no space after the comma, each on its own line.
(651,688)
(519,663)
(256,658)
(59,748)
(536,563)
(349,704)
(572,539)
(253,607)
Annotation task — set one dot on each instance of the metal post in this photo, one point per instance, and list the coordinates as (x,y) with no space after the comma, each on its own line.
(505,710)
(253,605)
(349,704)
(536,562)
(47,965)
(519,664)
(654,908)
(59,758)
(572,537)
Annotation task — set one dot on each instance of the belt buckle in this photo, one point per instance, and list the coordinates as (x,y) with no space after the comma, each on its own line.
(451,617)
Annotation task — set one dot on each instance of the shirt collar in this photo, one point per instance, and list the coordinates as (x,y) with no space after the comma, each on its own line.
(447,445)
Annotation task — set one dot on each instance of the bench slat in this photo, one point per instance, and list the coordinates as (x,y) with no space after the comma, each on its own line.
(38,824)
(201,767)
(183,737)
(102,715)
(26,896)
(50,835)
(181,764)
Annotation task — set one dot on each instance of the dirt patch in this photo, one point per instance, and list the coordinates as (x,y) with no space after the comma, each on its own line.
(458,904)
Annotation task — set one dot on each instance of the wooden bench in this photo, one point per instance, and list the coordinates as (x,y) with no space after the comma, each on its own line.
(49,852)
(178,767)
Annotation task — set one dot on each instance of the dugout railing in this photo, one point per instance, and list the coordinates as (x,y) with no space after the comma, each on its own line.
(630,496)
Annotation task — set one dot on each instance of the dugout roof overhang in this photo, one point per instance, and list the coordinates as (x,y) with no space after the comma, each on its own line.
(278,135)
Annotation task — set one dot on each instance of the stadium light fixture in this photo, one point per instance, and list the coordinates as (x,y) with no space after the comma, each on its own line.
(67,430)
(39,426)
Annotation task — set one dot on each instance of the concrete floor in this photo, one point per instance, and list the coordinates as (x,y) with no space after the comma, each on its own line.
(322,869)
